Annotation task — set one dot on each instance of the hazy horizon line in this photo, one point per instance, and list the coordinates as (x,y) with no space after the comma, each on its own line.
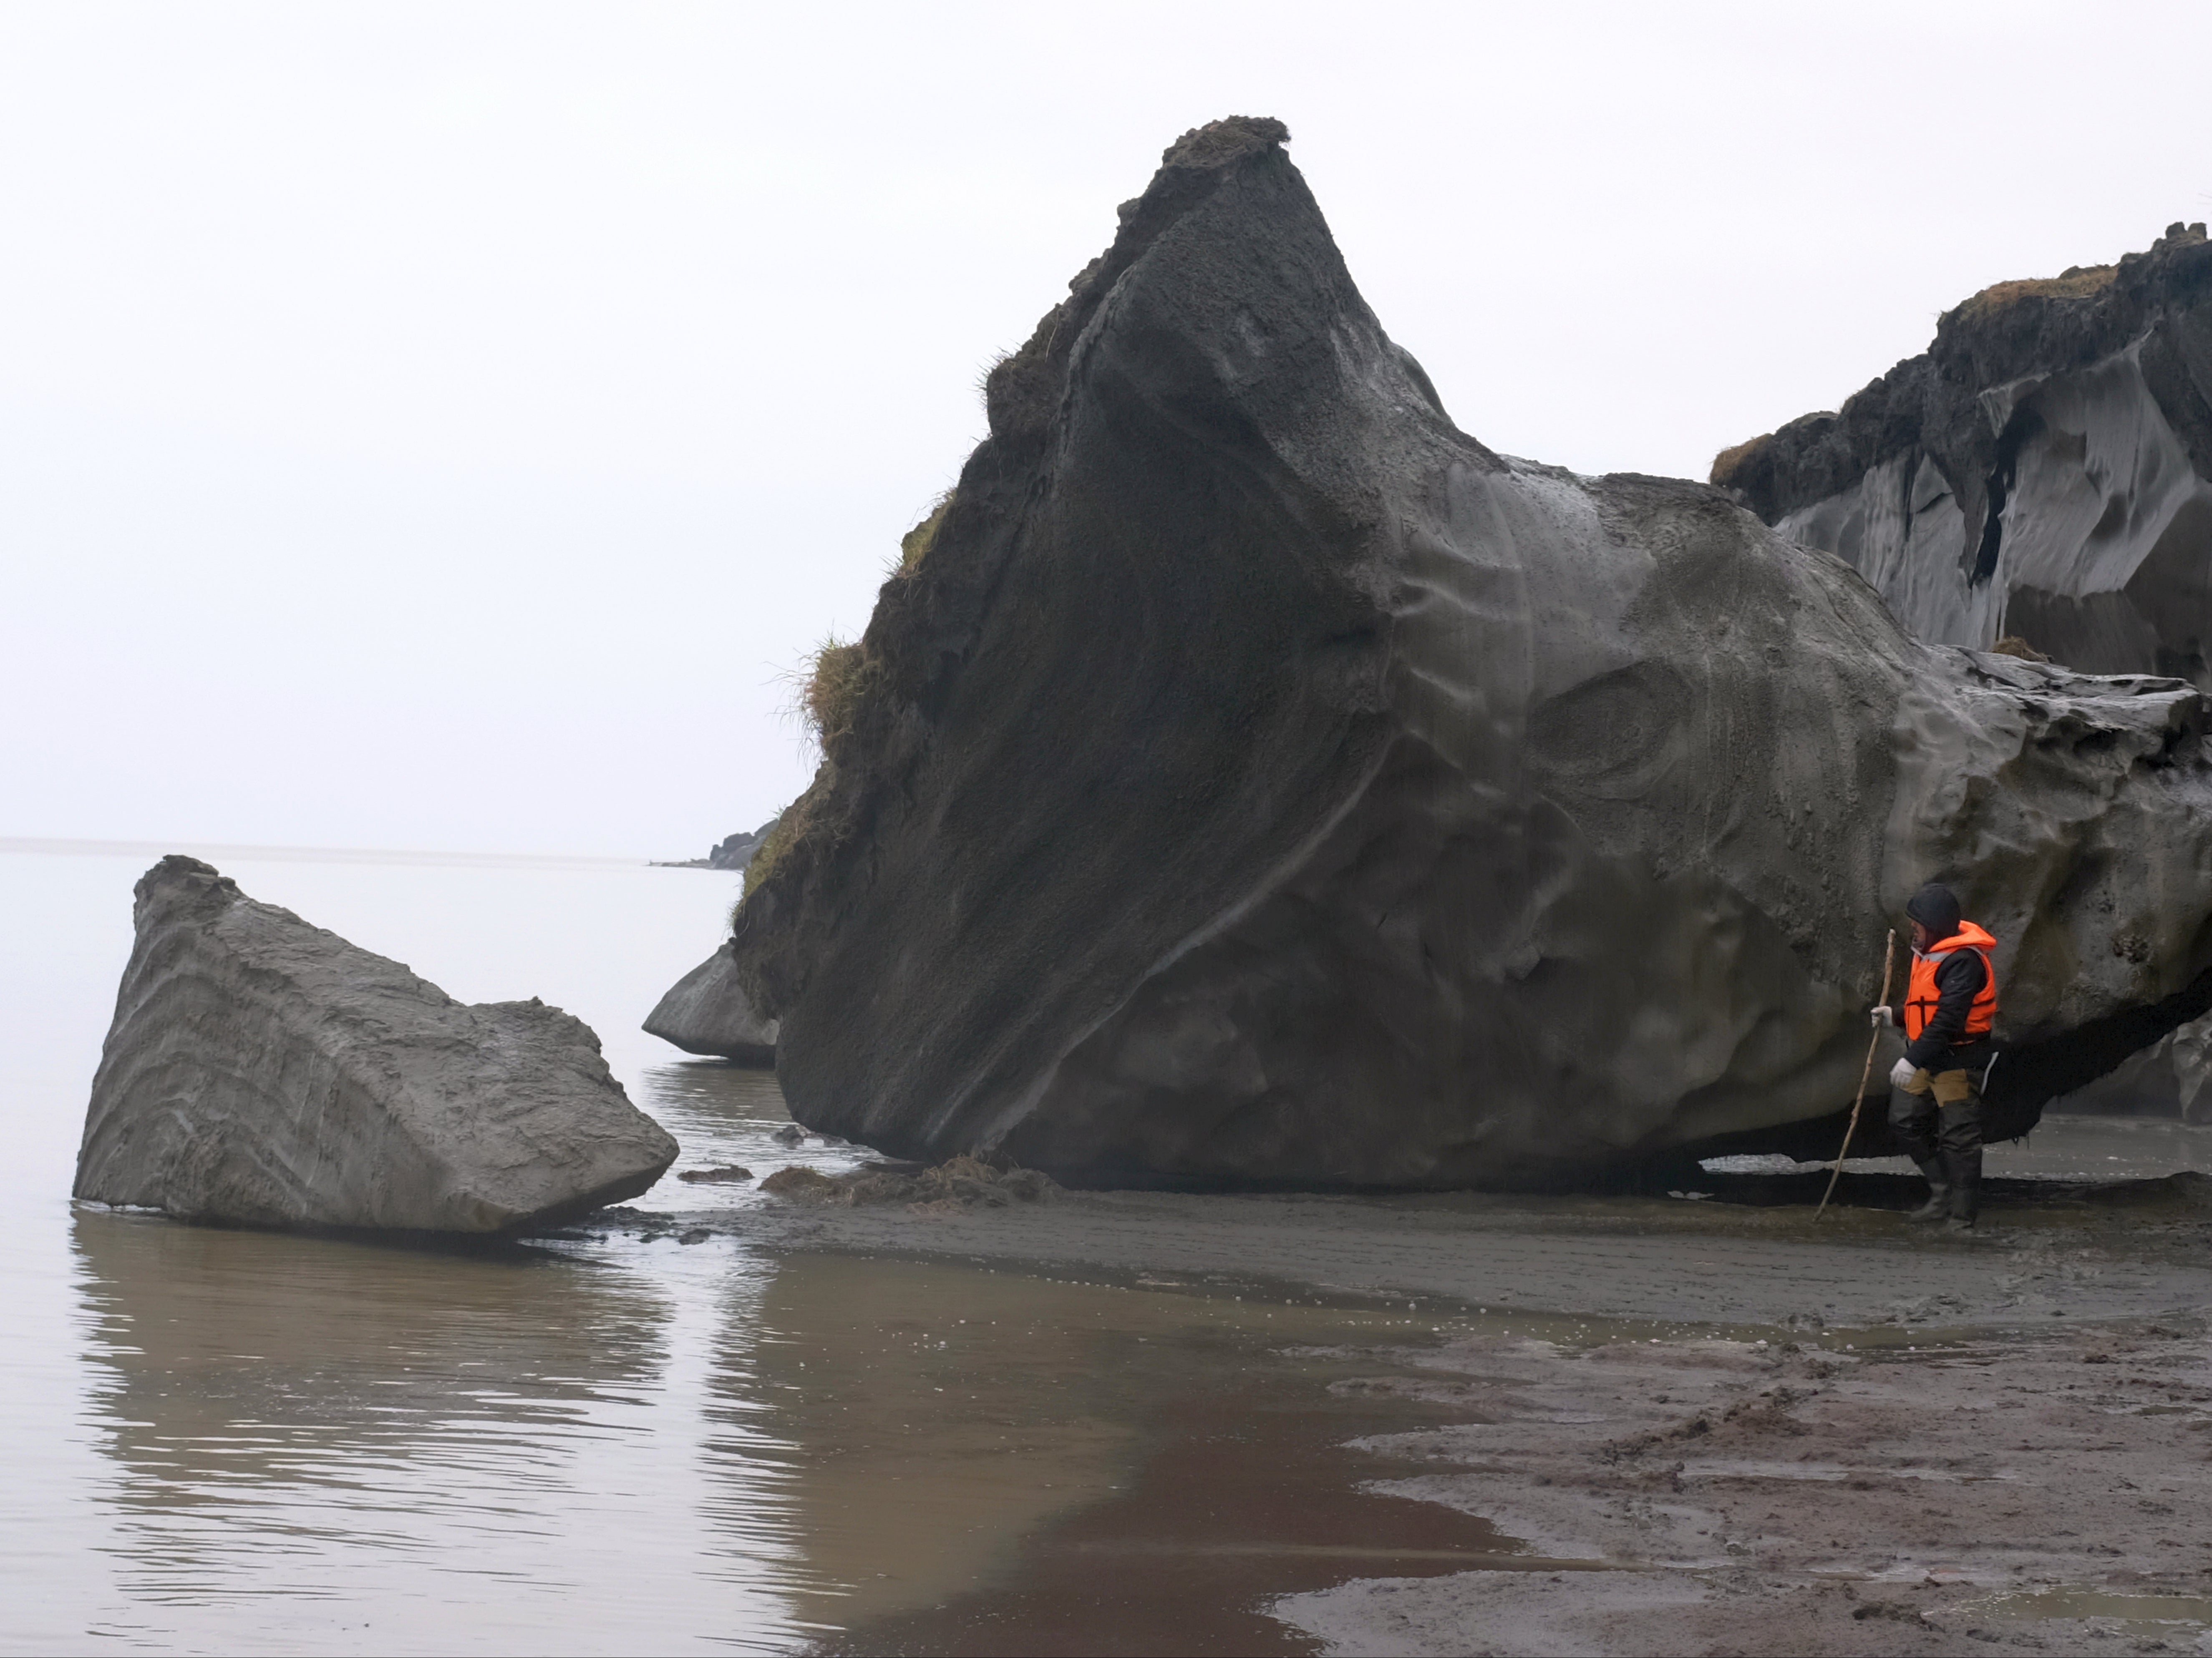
(65,845)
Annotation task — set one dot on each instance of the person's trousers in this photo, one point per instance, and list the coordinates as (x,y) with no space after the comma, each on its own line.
(1939,1120)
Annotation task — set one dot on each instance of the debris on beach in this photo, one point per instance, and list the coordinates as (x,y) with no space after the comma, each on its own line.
(957,1184)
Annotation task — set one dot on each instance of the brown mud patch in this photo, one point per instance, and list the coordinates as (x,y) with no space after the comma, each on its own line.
(1244,1492)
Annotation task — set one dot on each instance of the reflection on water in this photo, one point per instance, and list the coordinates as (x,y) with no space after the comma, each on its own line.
(995,1462)
(1103,1470)
(723,1113)
(932,1415)
(615,1445)
(319,1441)
(244,1442)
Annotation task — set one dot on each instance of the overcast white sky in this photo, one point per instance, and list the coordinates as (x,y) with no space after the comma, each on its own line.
(433,426)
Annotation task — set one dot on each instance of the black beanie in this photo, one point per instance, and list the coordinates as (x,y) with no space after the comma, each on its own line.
(1936,907)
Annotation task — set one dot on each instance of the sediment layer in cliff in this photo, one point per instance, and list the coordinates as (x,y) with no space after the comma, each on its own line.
(2042,470)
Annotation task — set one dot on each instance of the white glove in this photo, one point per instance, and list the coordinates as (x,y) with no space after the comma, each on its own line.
(1901,1074)
(1883,1015)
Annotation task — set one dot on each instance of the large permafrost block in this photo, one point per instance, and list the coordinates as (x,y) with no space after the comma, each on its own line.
(263,1072)
(1257,778)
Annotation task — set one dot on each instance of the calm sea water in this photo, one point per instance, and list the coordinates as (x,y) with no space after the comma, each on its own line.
(228,1441)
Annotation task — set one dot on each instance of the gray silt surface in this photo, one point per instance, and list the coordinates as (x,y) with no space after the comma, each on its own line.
(2046,1254)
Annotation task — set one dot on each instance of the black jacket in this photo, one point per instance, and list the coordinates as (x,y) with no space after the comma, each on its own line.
(1939,1046)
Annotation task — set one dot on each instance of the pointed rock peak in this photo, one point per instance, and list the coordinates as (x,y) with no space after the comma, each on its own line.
(1021,392)
(1230,139)
(181,867)
(182,882)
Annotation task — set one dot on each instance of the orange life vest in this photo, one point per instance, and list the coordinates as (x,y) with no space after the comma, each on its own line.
(1921,994)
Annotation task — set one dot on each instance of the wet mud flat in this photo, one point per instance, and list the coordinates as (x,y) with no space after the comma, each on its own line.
(1891,1496)
(1746,1250)
(1611,1425)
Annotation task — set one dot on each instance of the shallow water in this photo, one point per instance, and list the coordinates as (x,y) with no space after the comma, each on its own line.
(2148,1618)
(243,1442)
(284,1443)
(2063,1147)
(248,1441)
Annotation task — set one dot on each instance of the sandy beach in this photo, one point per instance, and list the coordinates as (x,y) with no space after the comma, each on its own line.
(1715,1426)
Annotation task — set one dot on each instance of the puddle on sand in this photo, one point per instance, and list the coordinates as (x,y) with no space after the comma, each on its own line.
(2080,1147)
(2146,1617)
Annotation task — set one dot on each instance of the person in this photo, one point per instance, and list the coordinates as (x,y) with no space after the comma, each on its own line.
(1950,1010)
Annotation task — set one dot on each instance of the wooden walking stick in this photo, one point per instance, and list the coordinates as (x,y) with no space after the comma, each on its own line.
(1888,960)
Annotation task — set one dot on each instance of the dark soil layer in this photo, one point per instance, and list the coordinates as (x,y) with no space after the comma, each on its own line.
(2014,331)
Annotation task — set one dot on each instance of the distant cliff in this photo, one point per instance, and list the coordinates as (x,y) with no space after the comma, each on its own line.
(732,853)
(2044,470)
(736,851)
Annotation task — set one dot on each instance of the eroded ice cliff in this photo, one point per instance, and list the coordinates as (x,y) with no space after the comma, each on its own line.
(1260,780)
(262,1072)
(2043,470)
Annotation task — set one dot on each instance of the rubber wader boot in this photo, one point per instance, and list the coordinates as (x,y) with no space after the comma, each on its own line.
(1965,1169)
(1938,1207)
